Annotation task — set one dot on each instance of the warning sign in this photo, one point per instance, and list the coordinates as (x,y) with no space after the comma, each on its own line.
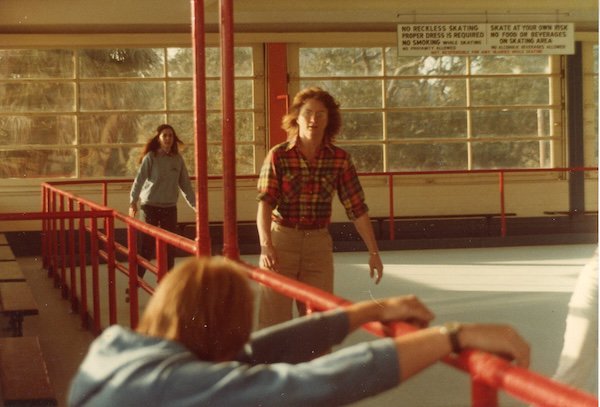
(481,39)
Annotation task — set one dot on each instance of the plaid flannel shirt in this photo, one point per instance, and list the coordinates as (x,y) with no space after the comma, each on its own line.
(302,194)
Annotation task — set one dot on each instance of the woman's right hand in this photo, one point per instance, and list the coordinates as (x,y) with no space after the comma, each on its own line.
(133,210)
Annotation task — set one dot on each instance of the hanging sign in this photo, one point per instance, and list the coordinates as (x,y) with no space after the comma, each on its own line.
(482,39)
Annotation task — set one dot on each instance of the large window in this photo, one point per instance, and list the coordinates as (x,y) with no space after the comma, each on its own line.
(86,113)
(440,113)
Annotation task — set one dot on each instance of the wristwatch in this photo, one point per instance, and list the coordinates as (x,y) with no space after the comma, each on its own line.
(452,329)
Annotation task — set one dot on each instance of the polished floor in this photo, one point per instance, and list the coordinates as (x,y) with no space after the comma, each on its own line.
(528,287)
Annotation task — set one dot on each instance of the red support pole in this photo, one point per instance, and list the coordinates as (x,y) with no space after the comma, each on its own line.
(83,306)
(201,154)
(97,324)
(391,195)
(73,269)
(112,278)
(44,227)
(502,205)
(230,241)
(483,395)
(63,250)
(133,293)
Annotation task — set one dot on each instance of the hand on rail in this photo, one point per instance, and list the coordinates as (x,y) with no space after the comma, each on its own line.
(268,257)
(502,340)
(405,308)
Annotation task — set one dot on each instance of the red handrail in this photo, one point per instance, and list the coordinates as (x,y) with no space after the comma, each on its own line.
(488,373)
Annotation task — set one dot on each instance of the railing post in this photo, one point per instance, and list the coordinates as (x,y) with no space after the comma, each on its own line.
(133,263)
(161,258)
(483,395)
(63,250)
(72,267)
(112,278)
(391,203)
(83,305)
(95,278)
(502,205)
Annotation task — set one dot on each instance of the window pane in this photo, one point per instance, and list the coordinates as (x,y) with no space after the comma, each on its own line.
(407,125)
(180,95)
(122,96)
(37,163)
(351,94)
(361,126)
(37,97)
(36,63)
(510,91)
(184,127)
(427,157)
(422,66)
(512,123)
(109,161)
(510,64)
(425,92)
(180,62)
(243,60)
(122,63)
(515,154)
(118,128)
(244,126)
(340,62)
(366,158)
(243,94)
(244,159)
(26,130)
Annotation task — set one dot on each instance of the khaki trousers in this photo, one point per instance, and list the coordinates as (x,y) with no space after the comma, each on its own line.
(303,255)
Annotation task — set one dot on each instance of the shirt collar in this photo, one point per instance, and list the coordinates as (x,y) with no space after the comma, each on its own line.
(294,141)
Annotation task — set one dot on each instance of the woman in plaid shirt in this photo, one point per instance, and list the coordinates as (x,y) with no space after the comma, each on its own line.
(295,193)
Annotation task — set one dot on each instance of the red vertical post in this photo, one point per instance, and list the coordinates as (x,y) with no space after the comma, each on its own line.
(502,205)
(63,248)
(73,269)
(97,319)
(133,263)
(391,203)
(230,243)
(112,278)
(483,395)
(83,306)
(44,227)
(201,153)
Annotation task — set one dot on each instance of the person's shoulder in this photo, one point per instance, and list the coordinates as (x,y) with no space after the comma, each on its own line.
(338,152)
(281,147)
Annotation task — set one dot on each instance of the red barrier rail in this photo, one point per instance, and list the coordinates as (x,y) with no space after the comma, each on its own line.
(488,373)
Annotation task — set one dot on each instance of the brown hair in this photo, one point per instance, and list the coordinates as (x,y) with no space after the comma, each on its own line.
(204,303)
(154,144)
(289,122)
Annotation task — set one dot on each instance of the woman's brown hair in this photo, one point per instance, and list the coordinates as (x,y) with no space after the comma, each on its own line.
(204,303)
(154,143)
(289,123)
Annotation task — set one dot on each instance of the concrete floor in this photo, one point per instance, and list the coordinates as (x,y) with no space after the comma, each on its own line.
(528,287)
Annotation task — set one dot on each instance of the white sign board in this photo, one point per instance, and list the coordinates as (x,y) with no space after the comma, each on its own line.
(482,39)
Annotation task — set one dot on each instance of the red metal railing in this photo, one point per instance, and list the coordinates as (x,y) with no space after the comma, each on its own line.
(488,373)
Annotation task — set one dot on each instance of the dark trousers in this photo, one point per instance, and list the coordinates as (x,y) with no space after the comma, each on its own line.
(165,218)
